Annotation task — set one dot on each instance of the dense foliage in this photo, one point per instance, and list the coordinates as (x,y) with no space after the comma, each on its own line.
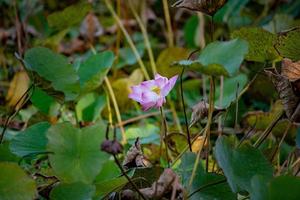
(150,99)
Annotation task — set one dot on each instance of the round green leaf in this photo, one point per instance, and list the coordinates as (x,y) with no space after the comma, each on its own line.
(202,178)
(241,164)
(54,68)
(288,44)
(229,54)
(285,187)
(94,69)
(33,140)
(73,191)
(76,152)
(261,44)
(14,183)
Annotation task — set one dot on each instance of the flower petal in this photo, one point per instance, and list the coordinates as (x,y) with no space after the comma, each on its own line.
(168,87)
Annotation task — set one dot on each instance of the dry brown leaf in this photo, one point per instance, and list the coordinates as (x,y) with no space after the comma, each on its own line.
(209,7)
(134,157)
(18,86)
(167,184)
(91,27)
(290,100)
(290,69)
(200,111)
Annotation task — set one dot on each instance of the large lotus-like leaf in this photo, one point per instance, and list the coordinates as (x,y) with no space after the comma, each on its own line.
(33,140)
(288,44)
(241,164)
(70,16)
(15,184)
(76,156)
(55,69)
(94,69)
(74,191)
(261,43)
(202,178)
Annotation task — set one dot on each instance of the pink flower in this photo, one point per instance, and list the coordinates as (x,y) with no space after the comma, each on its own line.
(152,93)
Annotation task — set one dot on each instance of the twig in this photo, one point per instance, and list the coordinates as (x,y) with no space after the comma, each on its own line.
(128,178)
(164,123)
(168,22)
(128,38)
(207,186)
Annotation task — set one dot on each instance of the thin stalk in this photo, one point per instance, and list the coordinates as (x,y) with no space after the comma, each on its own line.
(118,114)
(207,186)
(207,128)
(118,40)
(168,22)
(165,128)
(17,109)
(186,148)
(236,106)
(220,104)
(268,130)
(184,111)
(128,38)
(146,39)
(281,141)
(128,178)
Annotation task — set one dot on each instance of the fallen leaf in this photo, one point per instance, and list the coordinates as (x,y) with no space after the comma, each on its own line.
(91,28)
(134,157)
(200,111)
(17,88)
(209,7)
(290,69)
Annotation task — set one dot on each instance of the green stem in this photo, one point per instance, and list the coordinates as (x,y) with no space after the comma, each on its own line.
(165,131)
(128,38)
(168,22)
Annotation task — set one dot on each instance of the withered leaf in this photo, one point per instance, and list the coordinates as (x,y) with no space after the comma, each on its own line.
(286,93)
(167,184)
(200,111)
(209,7)
(134,157)
(290,69)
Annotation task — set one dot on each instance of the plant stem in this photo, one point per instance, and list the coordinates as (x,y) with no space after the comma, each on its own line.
(206,186)
(16,110)
(146,39)
(168,22)
(207,129)
(220,104)
(268,130)
(128,38)
(165,128)
(184,111)
(118,114)
(128,178)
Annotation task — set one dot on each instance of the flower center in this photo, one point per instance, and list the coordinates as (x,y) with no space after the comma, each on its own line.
(156,90)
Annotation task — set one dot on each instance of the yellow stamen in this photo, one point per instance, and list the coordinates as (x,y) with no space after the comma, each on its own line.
(156,90)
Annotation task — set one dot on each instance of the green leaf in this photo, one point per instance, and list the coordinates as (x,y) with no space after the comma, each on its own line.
(230,89)
(42,100)
(261,44)
(241,164)
(147,134)
(14,183)
(202,179)
(6,154)
(89,107)
(70,16)
(94,69)
(108,186)
(288,44)
(110,170)
(211,69)
(191,31)
(30,141)
(73,191)
(285,187)
(54,68)
(76,152)
(229,54)
(169,56)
